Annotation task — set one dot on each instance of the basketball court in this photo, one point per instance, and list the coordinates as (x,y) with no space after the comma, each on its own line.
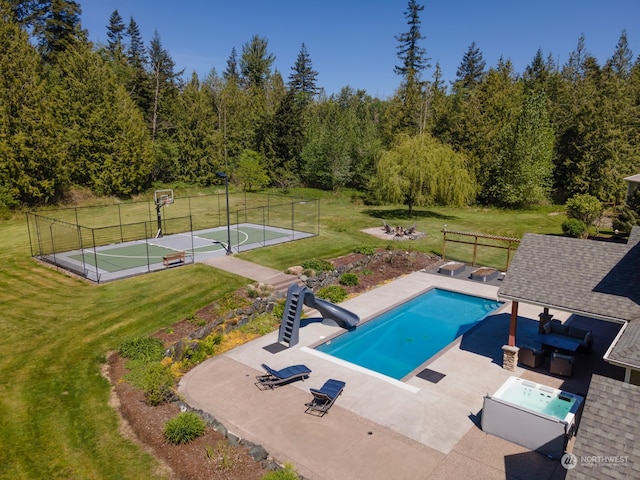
(122,250)
(111,262)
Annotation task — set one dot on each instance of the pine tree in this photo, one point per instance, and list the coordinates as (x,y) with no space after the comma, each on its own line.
(255,63)
(138,83)
(164,81)
(231,72)
(115,35)
(303,79)
(412,55)
(622,60)
(105,139)
(409,116)
(471,70)
(31,157)
(58,28)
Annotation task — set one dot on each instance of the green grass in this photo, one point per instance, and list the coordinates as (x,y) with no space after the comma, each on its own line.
(57,330)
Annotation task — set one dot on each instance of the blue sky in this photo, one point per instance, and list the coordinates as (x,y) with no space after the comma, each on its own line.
(352,42)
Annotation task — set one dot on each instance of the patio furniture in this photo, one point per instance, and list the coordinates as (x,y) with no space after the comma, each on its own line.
(562,364)
(531,355)
(275,378)
(324,398)
(582,336)
(558,342)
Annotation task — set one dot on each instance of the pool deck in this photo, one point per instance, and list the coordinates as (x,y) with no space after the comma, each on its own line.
(427,427)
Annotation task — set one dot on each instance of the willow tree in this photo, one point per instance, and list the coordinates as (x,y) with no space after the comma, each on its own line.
(420,171)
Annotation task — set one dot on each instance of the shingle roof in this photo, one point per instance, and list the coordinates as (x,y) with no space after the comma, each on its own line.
(587,277)
(608,442)
(627,348)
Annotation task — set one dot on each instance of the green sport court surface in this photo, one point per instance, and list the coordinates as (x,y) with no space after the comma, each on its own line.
(111,262)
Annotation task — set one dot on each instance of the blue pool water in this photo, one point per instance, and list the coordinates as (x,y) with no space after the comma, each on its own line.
(401,339)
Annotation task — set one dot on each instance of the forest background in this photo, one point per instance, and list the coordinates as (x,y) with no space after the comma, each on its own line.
(117,119)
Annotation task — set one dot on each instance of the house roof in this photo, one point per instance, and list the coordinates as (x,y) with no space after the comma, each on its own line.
(591,278)
(608,443)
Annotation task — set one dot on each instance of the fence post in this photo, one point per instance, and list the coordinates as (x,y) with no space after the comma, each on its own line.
(444,240)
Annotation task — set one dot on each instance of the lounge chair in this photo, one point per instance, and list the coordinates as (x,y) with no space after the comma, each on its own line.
(275,378)
(324,398)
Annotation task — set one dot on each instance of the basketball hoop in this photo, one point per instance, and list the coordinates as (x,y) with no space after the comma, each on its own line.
(163,197)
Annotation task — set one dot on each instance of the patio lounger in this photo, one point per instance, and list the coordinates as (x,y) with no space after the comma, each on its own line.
(324,398)
(274,378)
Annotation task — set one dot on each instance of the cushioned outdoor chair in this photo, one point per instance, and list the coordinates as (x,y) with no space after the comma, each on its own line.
(275,378)
(324,397)
(531,355)
(561,364)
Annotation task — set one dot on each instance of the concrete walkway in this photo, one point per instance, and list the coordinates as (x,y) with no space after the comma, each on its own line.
(278,280)
(379,428)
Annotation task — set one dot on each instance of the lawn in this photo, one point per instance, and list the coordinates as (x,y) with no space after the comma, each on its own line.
(57,330)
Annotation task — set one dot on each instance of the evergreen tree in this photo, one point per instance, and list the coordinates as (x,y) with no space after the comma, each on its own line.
(622,60)
(523,176)
(341,141)
(138,82)
(471,69)
(538,73)
(31,157)
(407,117)
(303,79)
(255,63)
(103,134)
(58,28)
(231,72)
(195,119)
(412,55)
(115,35)
(164,83)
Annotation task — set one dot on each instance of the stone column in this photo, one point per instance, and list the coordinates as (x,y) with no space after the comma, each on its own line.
(510,357)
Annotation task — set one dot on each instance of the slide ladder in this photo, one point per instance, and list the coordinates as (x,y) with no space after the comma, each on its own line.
(297,297)
(291,316)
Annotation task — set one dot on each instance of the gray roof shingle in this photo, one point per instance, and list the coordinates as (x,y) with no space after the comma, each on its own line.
(608,441)
(591,278)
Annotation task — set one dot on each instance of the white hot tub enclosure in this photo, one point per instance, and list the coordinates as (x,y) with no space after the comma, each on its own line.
(532,415)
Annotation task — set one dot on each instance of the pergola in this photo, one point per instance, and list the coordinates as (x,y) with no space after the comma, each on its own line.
(595,279)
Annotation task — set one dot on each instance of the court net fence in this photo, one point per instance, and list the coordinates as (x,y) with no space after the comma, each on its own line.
(55,232)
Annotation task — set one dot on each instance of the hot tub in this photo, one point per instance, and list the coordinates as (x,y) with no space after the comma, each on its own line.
(532,415)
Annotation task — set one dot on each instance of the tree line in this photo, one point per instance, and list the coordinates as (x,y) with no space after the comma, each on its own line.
(117,118)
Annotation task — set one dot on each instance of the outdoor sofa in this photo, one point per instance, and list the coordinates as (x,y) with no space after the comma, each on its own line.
(585,337)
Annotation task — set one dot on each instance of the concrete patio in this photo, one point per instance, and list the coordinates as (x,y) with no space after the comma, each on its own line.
(381,428)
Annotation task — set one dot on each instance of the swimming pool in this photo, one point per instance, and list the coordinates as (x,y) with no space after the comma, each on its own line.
(403,338)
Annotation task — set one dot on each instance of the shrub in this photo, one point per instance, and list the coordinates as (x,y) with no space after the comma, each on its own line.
(349,279)
(278,310)
(585,208)
(286,473)
(154,379)
(572,227)
(197,351)
(333,293)
(183,428)
(142,348)
(318,265)
(364,249)
(625,220)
